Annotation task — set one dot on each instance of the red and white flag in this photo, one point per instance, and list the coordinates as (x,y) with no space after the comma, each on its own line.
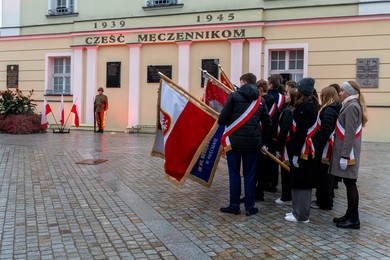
(186,128)
(76,115)
(62,114)
(225,79)
(45,111)
(215,94)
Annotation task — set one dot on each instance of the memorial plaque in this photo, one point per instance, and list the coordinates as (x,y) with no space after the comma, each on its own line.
(367,72)
(154,77)
(113,75)
(211,65)
(12,76)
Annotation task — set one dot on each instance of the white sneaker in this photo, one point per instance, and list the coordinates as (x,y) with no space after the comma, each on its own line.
(293,219)
(289,213)
(282,202)
(314,205)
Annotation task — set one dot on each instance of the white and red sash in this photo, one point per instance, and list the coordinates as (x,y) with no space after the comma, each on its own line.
(308,146)
(271,112)
(284,154)
(341,133)
(327,153)
(280,101)
(225,141)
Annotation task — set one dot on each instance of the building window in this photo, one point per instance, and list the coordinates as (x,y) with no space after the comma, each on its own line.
(287,60)
(59,77)
(61,7)
(161,3)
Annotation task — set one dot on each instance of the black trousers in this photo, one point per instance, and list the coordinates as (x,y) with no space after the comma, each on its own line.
(352,198)
(324,192)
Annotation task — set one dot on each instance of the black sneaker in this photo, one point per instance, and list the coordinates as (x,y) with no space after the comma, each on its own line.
(252,211)
(230,211)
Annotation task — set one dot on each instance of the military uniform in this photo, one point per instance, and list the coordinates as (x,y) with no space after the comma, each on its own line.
(100,107)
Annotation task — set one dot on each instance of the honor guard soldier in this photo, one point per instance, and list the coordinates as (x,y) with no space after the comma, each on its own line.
(100,107)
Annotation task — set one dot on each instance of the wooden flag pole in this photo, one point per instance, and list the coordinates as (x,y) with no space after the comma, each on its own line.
(219,83)
(194,99)
(226,77)
(69,114)
(276,160)
(55,120)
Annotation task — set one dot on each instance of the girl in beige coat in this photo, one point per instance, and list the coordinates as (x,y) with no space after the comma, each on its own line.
(346,151)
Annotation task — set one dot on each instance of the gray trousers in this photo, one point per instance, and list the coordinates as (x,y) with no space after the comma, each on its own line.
(301,202)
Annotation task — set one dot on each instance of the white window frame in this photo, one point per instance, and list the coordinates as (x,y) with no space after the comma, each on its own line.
(49,70)
(285,47)
(52,7)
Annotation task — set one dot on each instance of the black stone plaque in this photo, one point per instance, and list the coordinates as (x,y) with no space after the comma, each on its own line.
(367,72)
(154,77)
(113,75)
(211,65)
(12,76)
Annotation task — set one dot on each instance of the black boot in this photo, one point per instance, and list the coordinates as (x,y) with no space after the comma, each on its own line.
(342,219)
(353,223)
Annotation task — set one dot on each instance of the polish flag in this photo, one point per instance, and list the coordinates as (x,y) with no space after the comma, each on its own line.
(185,127)
(62,117)
(76,115)
(45,111)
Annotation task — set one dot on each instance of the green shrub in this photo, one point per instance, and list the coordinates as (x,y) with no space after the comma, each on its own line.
(14,103)
(18,113)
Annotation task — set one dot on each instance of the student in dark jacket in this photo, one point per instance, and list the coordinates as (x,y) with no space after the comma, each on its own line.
(268,169)
(244,140)
(284,149)
(330,108)
(274,90)
(303,164)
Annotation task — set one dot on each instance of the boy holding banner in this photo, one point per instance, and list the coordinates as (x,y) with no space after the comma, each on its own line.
(248,129)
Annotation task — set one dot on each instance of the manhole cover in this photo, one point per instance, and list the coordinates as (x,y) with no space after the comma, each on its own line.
(92,161)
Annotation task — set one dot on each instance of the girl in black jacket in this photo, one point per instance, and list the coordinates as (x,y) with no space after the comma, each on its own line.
(283,151)
(330,108)
(303,164)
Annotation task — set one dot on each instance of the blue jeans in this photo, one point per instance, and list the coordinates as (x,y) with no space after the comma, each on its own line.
(249,160)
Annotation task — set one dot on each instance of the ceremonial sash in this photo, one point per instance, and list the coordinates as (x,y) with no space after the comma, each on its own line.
(284,155)
(341,133)
(326,154)
(271,112)
(238,122)
(308,146)
(280,101)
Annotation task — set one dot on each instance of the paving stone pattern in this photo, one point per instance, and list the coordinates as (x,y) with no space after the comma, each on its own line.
(124,208)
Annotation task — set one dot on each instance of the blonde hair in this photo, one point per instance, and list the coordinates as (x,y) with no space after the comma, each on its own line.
(361,100)
(329,95)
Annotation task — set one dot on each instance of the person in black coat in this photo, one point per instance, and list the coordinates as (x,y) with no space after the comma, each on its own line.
(284,149)
(303,164)
(245,141)
(330,108)
(267,169)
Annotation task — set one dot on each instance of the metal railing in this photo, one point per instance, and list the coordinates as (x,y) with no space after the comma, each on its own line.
(157,3)
(61,10)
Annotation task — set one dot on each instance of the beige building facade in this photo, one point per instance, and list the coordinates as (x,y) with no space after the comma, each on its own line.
(72,47)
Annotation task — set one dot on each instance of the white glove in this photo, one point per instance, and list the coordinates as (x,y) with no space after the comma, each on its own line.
(343,164)
(263,149)
(278,155)
(295,161)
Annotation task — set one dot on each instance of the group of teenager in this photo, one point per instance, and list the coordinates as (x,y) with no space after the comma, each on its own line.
(317,136)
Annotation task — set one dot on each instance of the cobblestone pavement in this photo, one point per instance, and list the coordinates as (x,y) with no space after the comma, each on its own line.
(53,208)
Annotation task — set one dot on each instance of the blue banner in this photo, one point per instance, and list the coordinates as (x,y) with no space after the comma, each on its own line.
(206,165)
